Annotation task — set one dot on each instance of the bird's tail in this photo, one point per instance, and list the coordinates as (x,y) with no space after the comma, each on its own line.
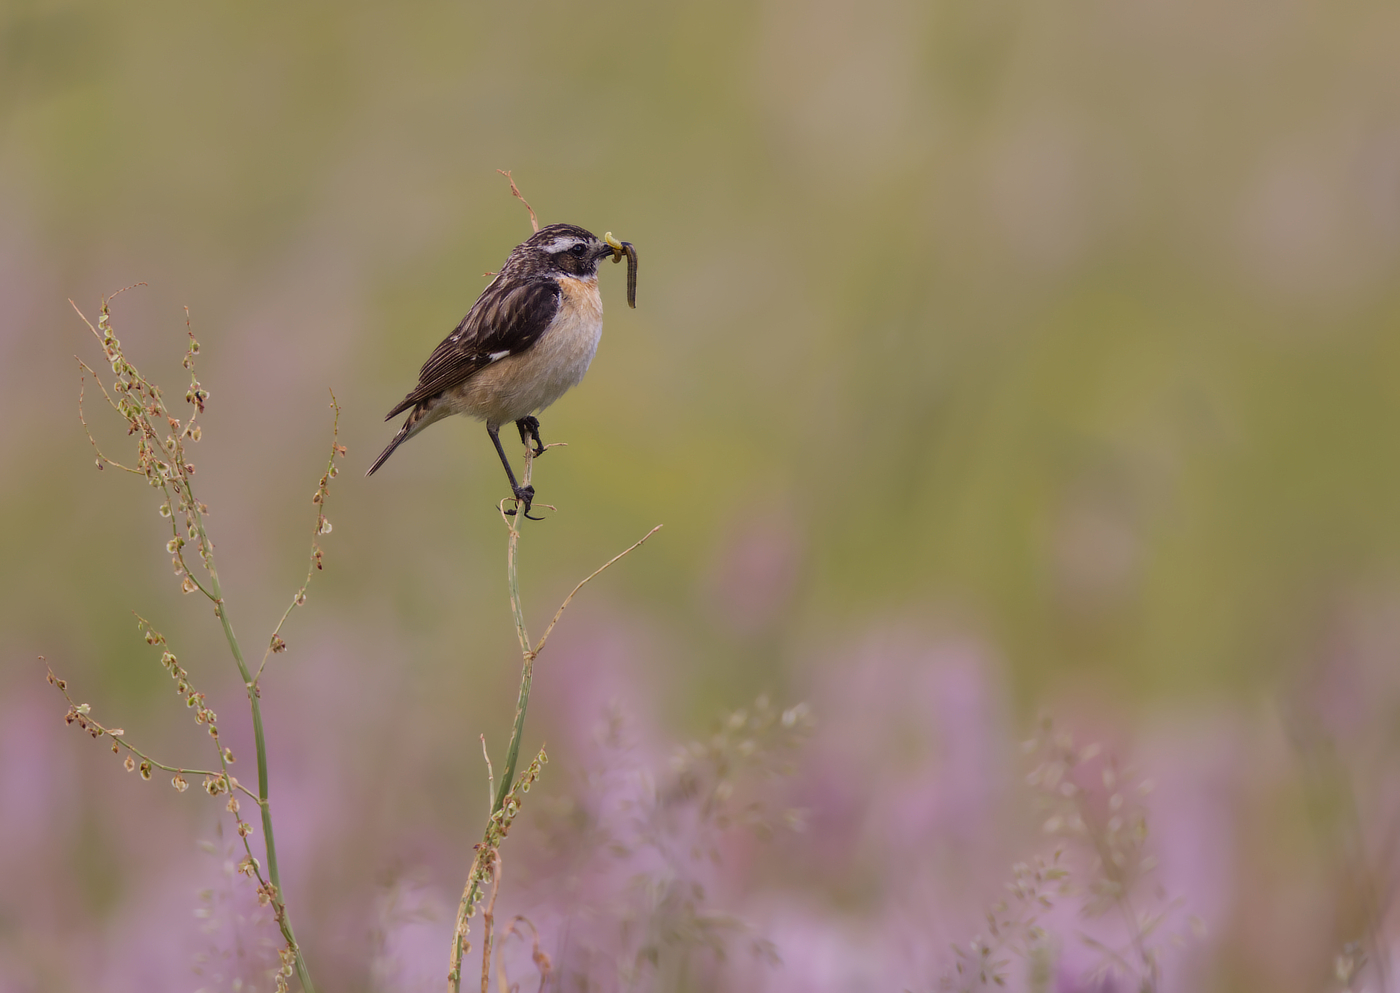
(425,413)
(399,439)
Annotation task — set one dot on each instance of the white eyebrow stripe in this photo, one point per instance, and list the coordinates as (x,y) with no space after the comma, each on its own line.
(497,356)
(563,243)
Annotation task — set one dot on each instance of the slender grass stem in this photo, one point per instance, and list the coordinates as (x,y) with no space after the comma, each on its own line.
(169,470)
(259,742)
(505,786)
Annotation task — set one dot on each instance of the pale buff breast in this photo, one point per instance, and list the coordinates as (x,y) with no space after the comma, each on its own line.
(518,385)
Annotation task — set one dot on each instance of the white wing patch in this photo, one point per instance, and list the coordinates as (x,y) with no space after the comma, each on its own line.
(497,356)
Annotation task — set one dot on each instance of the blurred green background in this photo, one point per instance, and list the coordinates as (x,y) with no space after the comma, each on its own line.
(1071,329)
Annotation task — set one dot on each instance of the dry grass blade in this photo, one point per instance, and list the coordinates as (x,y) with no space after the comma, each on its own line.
(593,575)
(543,965)
(534,221)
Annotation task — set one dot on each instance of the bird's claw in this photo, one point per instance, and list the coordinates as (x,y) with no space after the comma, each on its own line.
(530,431)
(524,495)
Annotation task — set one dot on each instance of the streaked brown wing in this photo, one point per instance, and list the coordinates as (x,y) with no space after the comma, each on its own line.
(505,318)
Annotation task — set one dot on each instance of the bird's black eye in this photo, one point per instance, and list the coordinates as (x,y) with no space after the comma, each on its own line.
(577,250)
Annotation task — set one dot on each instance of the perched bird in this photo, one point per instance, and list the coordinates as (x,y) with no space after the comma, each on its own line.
(529,337)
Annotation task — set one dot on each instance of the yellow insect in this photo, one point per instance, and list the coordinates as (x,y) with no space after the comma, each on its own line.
(621,248)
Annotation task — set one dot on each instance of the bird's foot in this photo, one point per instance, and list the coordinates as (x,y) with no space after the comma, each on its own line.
(524,496)
(530,430)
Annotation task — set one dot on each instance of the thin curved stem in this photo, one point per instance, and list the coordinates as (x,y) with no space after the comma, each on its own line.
(168,468)
(506,785)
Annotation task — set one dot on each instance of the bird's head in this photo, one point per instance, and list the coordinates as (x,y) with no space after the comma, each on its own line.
(569,250)
(565,248)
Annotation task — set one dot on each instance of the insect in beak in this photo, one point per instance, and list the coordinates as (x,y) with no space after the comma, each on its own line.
(619,249)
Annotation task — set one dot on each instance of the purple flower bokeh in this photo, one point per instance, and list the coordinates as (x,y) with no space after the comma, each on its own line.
(846,844)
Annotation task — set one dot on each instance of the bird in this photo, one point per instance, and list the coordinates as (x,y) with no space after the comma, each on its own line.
(528,339)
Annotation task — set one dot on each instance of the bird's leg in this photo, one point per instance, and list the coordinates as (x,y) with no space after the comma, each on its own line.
(525,494)
(530,428)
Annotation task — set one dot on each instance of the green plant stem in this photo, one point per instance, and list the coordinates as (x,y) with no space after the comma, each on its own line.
(527,657)
(471,893)
(269,841)
(138,416)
